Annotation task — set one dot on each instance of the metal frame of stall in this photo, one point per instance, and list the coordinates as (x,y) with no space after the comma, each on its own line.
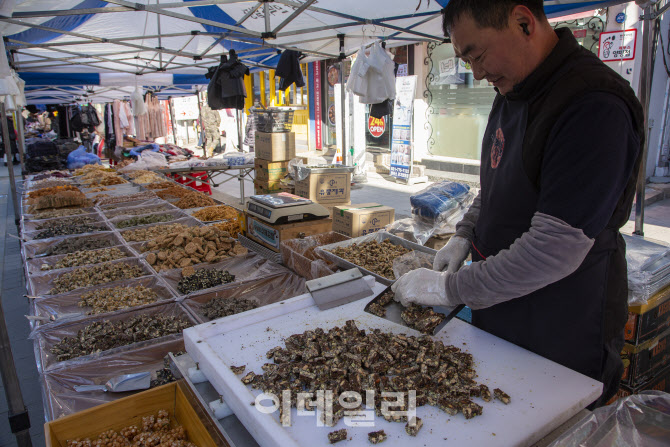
(213,172)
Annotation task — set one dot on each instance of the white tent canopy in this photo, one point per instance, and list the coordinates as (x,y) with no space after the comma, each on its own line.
(188,36)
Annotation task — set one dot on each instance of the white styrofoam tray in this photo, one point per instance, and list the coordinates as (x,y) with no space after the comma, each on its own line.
(544,394)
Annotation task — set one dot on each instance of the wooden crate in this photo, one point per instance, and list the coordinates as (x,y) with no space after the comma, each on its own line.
(130,411)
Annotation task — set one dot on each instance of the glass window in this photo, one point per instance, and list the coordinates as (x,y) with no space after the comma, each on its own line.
(586,29)
(256,84)
(460,105)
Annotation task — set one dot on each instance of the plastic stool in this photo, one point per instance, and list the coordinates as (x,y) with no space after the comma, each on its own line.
(201,186)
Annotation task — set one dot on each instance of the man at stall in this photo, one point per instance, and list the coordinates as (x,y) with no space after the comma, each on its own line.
(559,157)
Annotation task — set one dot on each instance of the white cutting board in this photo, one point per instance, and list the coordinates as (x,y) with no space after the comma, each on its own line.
(544,394)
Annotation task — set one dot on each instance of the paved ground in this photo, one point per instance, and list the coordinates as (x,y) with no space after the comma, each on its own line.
(15,306)
(380,189)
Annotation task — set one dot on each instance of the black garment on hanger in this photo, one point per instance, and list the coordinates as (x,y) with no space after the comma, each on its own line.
(288,69)
(226,86)
(382,109)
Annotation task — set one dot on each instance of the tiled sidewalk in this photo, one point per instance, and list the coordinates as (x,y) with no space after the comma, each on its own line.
(15,306)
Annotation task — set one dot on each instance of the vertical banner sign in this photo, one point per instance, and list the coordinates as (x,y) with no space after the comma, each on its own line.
(317,105)
(402,148)
(168,121)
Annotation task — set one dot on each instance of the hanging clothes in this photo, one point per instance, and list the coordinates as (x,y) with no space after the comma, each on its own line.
(118,132)
(110,136)
(131,120)
(288,69)
(226,88)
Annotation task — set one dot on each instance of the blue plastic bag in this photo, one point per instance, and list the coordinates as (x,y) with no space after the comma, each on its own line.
(153,147)
(439,199)
(78,158)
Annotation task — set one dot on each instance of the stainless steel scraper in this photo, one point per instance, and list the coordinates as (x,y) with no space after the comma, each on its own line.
(393,309)
(338,289)
(118,384)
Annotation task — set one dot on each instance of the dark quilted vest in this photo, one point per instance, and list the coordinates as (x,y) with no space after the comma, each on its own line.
(570,72)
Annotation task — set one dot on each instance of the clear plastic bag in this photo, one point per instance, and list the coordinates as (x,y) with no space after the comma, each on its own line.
(648,268)
(238,158)
(412,261)
(42,247)
(243,267)
(442,201)
(41,285)
(47,336)
(66,306)
(264,291)
(638,420)
(300,255)
(59,396)
(147,161)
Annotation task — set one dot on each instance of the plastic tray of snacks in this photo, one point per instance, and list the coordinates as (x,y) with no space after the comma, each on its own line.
(325,251)
(45,247)
(43,285)
(71,305)
(48,264)
(46,337)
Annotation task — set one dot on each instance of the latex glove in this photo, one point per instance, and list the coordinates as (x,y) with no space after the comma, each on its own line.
(423,286)
(450,257)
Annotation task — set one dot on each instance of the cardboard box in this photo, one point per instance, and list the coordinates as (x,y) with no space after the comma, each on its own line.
(645,360)
(648,320)
(325,187)
(331,206)
(271,236)
(270,171)
(359,220)
(660,382)
(130,410)
(276,146)
(264,187)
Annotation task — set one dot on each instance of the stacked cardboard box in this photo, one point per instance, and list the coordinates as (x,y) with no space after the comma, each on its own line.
(329,187)
(646,353)
(359,220)
(273,153)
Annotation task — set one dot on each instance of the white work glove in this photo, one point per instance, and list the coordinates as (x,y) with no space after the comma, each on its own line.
(450,257)
(423,286)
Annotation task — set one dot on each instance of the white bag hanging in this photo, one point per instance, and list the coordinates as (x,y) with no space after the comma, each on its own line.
(137,102)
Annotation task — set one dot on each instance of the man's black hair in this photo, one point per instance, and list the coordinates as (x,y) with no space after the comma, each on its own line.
(487,13)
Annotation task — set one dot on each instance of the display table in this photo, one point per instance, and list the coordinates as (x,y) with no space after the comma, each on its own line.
(231,172)
(544,394)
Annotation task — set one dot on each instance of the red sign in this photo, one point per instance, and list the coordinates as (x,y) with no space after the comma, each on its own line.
(168,119)
(376,126)
(579,33)
(317,104)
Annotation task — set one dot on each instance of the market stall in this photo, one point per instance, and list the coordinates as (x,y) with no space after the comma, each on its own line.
(127,267)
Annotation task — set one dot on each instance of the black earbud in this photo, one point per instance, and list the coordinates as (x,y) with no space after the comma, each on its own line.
(524,26)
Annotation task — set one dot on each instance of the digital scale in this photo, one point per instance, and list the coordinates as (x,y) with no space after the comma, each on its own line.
(285,208)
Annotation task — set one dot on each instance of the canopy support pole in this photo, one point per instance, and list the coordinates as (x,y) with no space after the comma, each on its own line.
(10,163)
(22,139)
(644,93)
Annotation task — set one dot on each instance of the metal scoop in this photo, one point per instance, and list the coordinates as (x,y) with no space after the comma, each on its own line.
(119,384)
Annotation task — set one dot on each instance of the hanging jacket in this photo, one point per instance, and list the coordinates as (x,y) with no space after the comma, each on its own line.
(288,69)
(226,88)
